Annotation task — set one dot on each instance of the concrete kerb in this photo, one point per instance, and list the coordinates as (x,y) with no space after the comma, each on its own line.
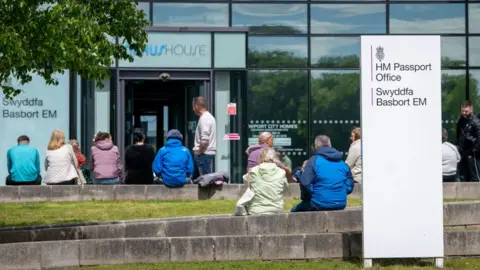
(207,248)
(455,214)
(463,190)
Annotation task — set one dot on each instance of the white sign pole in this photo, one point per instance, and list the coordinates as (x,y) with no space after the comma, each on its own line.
(401,147)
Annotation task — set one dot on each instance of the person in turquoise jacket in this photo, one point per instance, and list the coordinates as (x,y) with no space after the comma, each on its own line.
(23,163)
(173,162)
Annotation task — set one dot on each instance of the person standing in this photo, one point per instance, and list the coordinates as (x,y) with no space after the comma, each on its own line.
(23,163)
(138,161)
(468,143)
(205,146)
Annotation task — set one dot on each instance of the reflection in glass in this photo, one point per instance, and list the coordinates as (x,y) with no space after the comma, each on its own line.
(335,52)
(145,6)
(277,52)
(453,51)
(335,105)
(454,86)
(186,14)
(271,18)
(348,19)
(427,18)
(475,87)
(278,102)
(474,56)
(474,17)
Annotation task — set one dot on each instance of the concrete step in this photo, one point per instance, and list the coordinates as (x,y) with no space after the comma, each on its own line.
(43,255)
(455,214)
(19,194)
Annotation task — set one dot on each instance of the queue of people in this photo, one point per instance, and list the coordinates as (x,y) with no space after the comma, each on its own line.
(172,165)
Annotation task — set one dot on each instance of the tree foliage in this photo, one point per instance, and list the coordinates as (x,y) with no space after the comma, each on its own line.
(46,37)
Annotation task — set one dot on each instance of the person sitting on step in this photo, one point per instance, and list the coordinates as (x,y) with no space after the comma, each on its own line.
(326,179)
(173,162)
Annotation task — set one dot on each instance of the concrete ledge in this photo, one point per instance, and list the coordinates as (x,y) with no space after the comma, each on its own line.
(149,250)
(456,214)
(464,190)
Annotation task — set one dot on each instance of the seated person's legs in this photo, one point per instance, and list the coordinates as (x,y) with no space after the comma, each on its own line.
(303,206)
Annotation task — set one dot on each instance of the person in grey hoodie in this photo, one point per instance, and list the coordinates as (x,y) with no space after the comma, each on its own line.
(105,161)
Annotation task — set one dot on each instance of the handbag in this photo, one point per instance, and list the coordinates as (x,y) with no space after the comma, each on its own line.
(241,208)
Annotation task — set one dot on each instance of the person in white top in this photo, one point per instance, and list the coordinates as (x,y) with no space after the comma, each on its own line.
(450,159)
(60,162)
(205,146)
(354,157)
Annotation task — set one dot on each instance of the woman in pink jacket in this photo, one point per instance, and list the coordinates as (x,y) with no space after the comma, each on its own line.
(105,161)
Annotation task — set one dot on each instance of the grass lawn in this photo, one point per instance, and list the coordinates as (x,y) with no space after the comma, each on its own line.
(26,214)
(70,212)
(288,265)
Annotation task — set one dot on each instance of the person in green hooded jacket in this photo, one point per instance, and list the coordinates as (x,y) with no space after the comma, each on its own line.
(268,182)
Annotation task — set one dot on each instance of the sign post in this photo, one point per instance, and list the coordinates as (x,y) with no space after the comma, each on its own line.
(401,148)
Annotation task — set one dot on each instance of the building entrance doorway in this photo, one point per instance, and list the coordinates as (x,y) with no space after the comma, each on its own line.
(158,106)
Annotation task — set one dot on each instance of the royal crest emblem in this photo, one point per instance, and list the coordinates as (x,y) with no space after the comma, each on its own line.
(380,54)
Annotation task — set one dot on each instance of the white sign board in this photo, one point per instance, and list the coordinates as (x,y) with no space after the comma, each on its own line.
(401,147)
(36,112)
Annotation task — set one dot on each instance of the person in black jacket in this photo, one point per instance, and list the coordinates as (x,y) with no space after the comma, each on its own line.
(138,161)
(468,143)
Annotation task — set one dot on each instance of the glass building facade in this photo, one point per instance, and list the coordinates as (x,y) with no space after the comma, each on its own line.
(294,72)
(303,59)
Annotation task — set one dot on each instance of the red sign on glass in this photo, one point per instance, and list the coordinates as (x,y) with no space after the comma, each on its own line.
(232,109)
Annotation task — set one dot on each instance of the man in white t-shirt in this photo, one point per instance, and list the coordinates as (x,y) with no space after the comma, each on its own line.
(205,146)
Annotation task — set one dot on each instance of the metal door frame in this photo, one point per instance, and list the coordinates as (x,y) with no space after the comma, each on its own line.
(149,74)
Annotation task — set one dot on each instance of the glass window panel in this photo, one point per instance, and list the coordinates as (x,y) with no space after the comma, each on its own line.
(474,17)
(266,52)
(427,18)
(474,88)
(145,6)
(454,87)
(453,51)
(278,102)
(348,19)
(271,18)
(335,52)
(335,105)
(190,14)
(474,55)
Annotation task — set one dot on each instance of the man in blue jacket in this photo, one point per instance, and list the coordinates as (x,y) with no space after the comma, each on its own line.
(23,163)
(173,162)
(326,179)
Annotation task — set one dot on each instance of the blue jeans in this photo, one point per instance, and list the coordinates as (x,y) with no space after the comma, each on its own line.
(106,181)
(204,163)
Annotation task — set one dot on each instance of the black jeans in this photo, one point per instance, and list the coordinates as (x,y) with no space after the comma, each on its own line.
(450,178)
(69,182)
(469,167)
(10,182)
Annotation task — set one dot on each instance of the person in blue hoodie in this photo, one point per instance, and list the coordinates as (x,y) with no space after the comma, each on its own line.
(325,180)
(173,162)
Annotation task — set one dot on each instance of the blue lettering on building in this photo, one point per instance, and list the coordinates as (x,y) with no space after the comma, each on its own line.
(171,50)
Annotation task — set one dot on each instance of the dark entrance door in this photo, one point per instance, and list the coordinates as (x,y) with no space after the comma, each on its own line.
(158,106)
